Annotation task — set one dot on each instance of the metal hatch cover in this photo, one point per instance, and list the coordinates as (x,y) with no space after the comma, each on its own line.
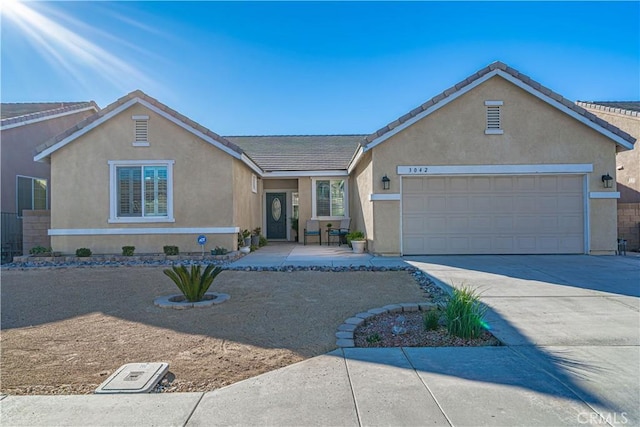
(134,378)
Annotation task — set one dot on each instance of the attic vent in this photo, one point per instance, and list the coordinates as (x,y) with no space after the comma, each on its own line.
(494,118)
(141,130)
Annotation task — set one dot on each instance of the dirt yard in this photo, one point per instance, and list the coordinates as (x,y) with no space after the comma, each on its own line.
(65,331)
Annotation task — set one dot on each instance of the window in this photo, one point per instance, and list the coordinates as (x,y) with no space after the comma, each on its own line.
(295,205)
(494,118)
(254,183)
(31,193)
(330,198)
(141,131)
(141,191)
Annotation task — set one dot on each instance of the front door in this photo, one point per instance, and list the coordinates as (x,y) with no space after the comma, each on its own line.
(276,215)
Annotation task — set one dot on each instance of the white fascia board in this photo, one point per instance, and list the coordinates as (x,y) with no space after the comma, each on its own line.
(43,118)
(604,195)
(354,161)
(294,174)
(254,167)
(84,130)
(496,169)
(149,231)
(560,106)
(430,110)
(191,129)
(373,197)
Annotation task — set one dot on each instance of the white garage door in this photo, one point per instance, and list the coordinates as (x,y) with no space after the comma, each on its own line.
(525,214)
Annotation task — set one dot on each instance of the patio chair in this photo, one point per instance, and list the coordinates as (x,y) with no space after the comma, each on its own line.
(340,232)
(312,229)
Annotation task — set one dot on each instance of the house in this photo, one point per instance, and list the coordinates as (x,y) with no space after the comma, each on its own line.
(495,164)
(25,183)
(626,116)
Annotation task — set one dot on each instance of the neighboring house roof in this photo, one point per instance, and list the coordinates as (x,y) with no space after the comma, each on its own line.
(23,113)
(627,108)
(137,96)
(524,82)
(280,153)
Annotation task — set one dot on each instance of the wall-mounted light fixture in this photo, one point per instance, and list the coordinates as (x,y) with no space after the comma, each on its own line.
(386,182)
(607,181)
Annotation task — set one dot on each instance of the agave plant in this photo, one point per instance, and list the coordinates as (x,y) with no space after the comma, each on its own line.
(195,283)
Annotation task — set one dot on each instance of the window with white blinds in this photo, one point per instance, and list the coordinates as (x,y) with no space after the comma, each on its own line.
(141,192)
(494,117)
(330,198)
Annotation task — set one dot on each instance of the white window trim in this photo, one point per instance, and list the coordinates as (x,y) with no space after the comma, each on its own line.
(113,191)
(313,198)
(32,199)
(254,183)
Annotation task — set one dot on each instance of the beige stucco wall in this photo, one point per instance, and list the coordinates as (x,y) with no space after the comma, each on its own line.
(534,133)
(203,185)
(627,162)
(361,209)
(247,204)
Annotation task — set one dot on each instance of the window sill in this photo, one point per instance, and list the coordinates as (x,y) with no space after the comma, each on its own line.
(328,218)
(140,144)
(494,132)
(138,220)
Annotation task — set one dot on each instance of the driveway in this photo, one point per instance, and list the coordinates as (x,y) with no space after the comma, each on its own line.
(576,317)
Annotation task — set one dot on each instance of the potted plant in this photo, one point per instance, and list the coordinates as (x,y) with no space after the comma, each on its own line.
(255,236)
(357,241)
(246,237)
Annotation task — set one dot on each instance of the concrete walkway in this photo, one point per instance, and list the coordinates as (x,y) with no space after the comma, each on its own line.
(299,255)
(572,357)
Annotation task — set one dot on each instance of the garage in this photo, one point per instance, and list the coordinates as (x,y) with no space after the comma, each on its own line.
(493,214)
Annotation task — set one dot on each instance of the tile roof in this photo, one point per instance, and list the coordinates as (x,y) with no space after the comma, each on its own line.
(628,108)
(299,152)
(13,113)
(141,95)
(514,73)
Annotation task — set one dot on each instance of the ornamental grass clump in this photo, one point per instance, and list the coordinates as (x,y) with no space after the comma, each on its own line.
(193,283)
(465,314)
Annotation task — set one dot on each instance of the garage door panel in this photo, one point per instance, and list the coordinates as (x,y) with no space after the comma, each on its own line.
(493,214)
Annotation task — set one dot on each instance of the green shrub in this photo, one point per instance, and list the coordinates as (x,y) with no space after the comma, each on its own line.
(263,241)
(83,252)
(219,251)
(128,250)
(374,338)
(38,250)
(354,235)
(465,314)
(256,231)
(194,283)
(246,233)
(253,248)
(430,319)
(171,250)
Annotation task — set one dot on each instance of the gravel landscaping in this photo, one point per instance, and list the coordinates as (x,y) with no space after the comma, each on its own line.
(65,330)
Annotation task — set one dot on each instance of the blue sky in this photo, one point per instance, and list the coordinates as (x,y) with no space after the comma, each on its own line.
(243,68)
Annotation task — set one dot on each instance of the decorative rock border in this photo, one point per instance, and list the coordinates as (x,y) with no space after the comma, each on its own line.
(178,301)
(344,334)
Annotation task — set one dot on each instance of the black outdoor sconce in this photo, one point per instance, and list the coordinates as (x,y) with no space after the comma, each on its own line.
(607,181)
(385,182)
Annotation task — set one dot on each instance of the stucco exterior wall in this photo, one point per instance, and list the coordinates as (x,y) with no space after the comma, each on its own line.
(627,162)
(361,209)
(18,145)
(534,133)
(247,204)
(203,185)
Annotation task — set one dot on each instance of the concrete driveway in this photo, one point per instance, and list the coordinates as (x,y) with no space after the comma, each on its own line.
(576,317)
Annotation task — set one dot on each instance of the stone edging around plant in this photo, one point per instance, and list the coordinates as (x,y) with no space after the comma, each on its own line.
(166,301)
(344,335)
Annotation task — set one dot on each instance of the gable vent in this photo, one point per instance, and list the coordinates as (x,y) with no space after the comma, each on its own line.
(141,129)
(494,117)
